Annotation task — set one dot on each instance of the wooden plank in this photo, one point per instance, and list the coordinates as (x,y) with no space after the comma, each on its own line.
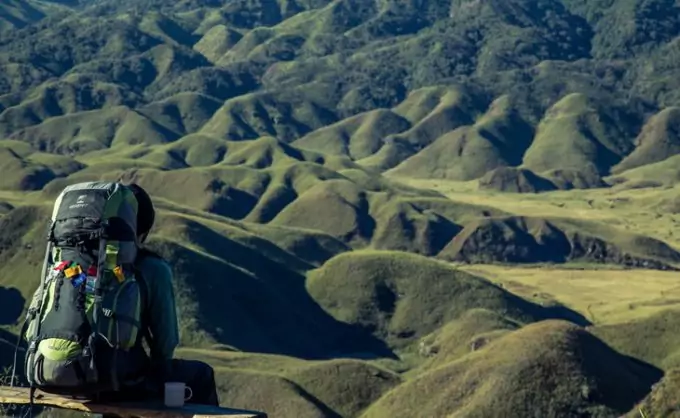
(152,409)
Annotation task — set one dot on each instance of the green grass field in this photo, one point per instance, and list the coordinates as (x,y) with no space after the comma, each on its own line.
(603,295)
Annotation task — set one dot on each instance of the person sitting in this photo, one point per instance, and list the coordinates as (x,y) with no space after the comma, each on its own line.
(90,316)
(161,318)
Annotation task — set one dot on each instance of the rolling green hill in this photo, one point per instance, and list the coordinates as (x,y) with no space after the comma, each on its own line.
(344,186)
(17,14)
(555,382)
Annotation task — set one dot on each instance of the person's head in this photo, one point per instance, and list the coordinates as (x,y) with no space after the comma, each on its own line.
(146,215)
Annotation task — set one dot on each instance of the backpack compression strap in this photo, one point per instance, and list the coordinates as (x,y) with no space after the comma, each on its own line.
(144,290)
(33,315)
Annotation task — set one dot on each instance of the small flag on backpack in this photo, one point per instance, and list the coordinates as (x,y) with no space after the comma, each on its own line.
(91,279)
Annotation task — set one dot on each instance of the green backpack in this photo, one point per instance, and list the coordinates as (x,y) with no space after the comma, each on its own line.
(86,314)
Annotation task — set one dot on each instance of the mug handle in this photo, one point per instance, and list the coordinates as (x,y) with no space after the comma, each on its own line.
(191,393)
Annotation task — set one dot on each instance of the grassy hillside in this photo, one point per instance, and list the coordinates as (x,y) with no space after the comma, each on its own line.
(605,295)
(520,239)
(17,14)
(371,209)
(556,381)
(374,83)
(400,298)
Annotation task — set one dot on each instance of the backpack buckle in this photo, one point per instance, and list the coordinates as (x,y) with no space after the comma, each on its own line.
(118,272)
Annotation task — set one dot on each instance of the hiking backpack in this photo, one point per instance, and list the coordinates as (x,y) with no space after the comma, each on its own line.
(87,309)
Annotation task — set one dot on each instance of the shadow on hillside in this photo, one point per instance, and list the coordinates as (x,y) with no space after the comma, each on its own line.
(268,311)
(534,312)
(12,303)
(640,376)
(539,311)
(562,312)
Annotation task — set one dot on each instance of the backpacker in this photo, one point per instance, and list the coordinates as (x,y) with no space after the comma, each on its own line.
(86,313)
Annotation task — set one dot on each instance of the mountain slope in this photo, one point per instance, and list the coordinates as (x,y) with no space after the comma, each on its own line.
(558,381)
(401,298)
(497,139)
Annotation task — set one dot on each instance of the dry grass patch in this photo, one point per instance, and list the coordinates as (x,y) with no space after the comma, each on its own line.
(603,295)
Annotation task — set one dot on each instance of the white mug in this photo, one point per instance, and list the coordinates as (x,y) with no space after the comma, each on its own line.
(175,394)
